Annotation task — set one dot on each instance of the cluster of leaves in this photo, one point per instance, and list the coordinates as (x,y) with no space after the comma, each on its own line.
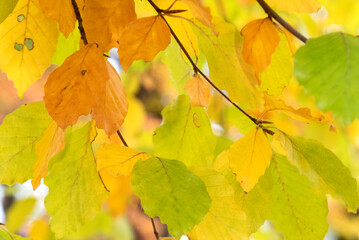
(198,183)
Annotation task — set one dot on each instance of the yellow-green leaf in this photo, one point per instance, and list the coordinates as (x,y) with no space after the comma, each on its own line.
(27,41)
(6,7)
(301,6)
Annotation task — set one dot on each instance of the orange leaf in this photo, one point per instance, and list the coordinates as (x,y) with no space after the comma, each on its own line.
(200,12)
(61,11)
(198,92)
(86,82)
(260,41)
(143,39)
(104,21)
(51,143)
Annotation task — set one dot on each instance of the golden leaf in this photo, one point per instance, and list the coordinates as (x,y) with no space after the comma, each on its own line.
(198,91)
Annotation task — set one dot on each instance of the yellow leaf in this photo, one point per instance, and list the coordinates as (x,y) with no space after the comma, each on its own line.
(104,21)
(300,6)
(27,41)
(118,160)
(249,157)
(51,143)
(302,114)
(143,39)
(260,41)
(86,83)
(62,11)
(198,91)
(40,230)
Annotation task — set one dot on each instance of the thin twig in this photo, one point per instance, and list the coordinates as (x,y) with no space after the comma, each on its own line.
(154,229)
(194,66)
(281,21)
(122,139)
(79,19)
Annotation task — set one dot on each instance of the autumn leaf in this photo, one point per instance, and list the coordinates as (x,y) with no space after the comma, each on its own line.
(143,39)
(86,83)
(198,91)
(6,8)
(27,41)
(51,143)
(301,6)
(249,157)
(200,12)
(260,41)
(62,11)
(118,160)
(104,21)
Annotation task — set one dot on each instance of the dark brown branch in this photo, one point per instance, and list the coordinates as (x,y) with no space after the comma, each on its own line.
(281,21)
(154,229)
(122,139)
(79,19)
(194,66)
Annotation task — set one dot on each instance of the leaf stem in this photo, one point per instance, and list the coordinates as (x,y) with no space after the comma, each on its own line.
(154,229)
(196,68)
(271,13)
(79,19)
(122,139)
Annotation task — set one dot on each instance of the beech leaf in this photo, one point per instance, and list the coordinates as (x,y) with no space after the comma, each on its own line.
(198,91)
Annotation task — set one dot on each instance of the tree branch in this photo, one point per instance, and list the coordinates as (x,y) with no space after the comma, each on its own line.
(122,139)
(194,66)
(281,21)
(154,229)
(79,19)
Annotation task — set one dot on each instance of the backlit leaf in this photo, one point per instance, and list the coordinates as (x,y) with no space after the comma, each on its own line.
(27,41)
(6,235)
(86,83)
(19,133)
(6,7)
(18,213)
(249,157)
(225,219)
(143,39)
(198,91)
(118,160)
(167,189)
(322,168)
(104,21)
(51,143)
(185,134)
(73,181)
(297,212)
(301,6)
(200,12)
(330,75)
(261,38)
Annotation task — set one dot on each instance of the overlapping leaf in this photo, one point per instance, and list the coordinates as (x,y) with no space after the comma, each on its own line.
(6,7)
(330,75)
(297,211)
(322,167)
(198,91)
(185,134)
(249,157)
(169,190)
(143,39)
(86,83)
(19,133)
(27,41)
(104,21)
(74,181)
(261,38)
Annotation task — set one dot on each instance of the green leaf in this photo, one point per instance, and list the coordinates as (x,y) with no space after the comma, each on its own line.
(167,189)
(257,202)
(326,67)
(66,46)
(225,213)
(227,69)
(18,213)
(185,134)
(6,235)
(19,133)
(6,7)
(322,167)
(297,212)
(75,188)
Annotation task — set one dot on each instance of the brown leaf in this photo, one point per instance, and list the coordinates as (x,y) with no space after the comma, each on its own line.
(143,39)
(104,21)
(260,41)
(86,82)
